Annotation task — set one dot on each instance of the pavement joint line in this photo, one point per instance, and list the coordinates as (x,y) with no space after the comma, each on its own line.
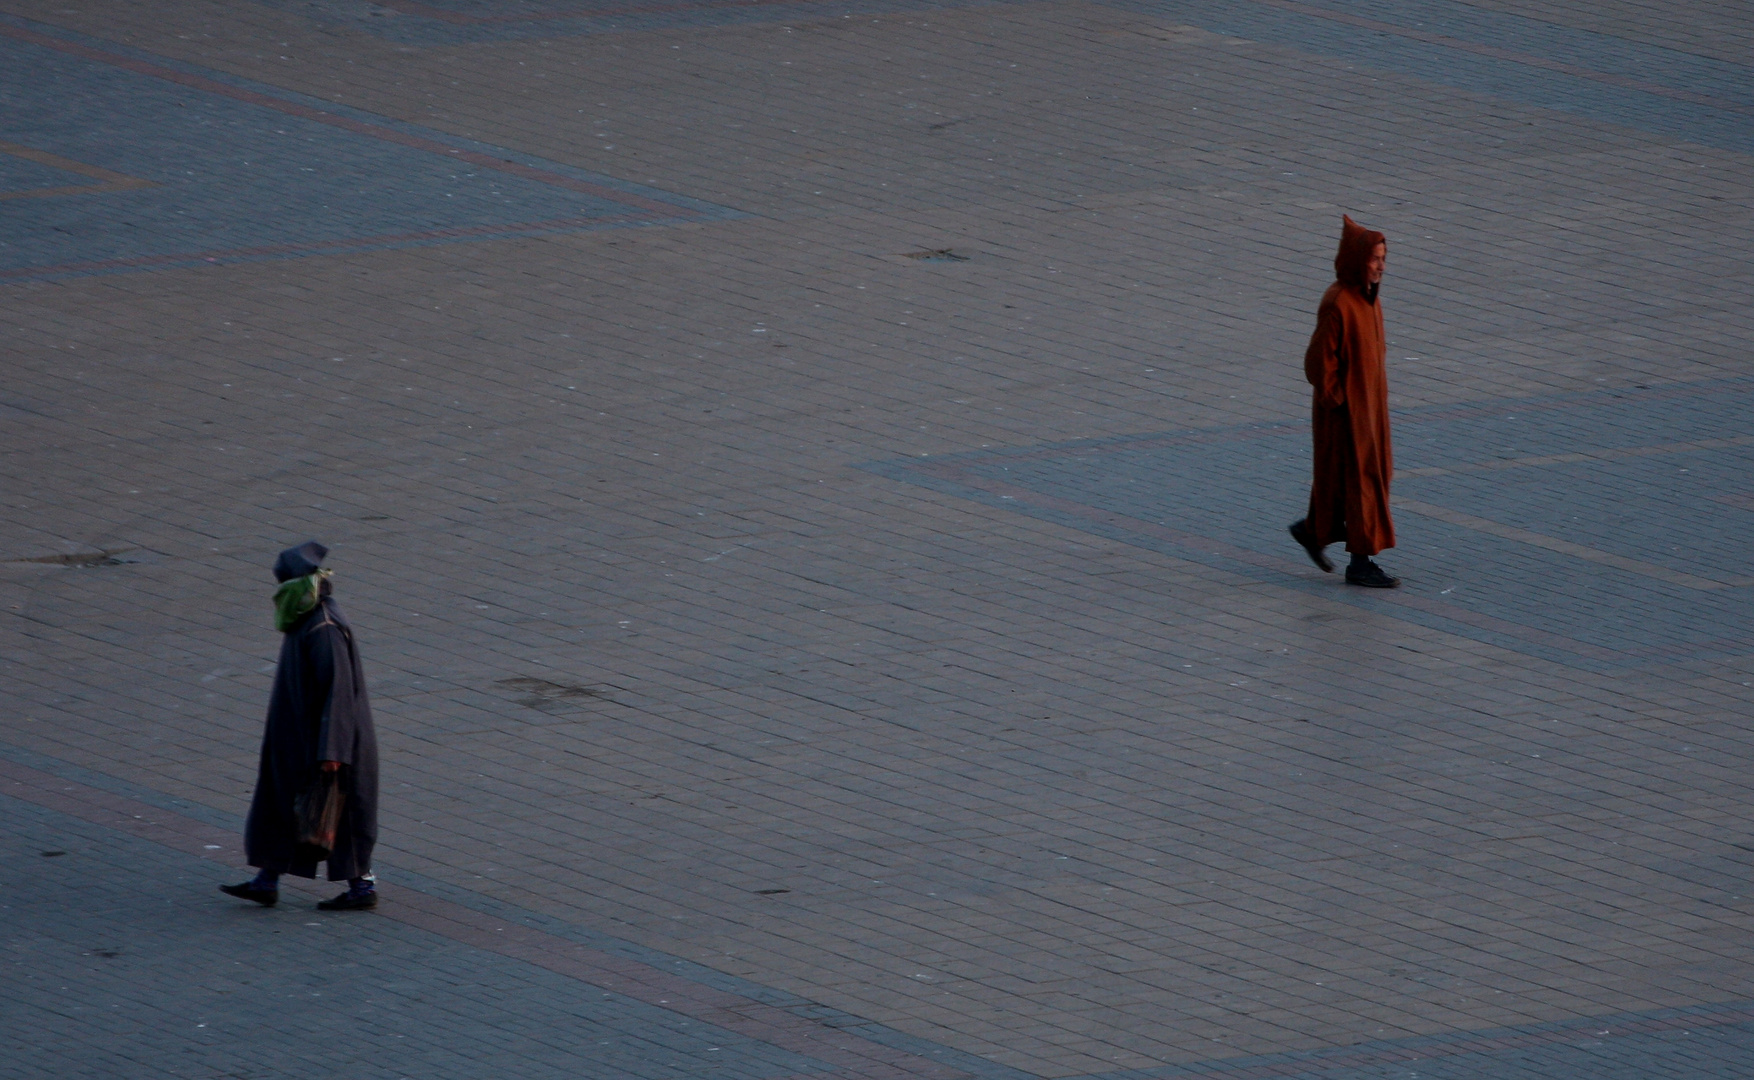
(458,18)
(109,181)
(1566,547)
(1580,457)
(732,1012)
(458,234)
(261,96)
(652,986)
(620,975)
(1282,568)
(1401,598)
(1424,414)
(1498,53)
(1436,1047)
(230,826)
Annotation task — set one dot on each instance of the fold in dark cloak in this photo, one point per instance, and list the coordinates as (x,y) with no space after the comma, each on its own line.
(317,712)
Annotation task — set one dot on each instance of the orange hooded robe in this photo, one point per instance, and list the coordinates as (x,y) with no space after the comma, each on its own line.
(1346,363)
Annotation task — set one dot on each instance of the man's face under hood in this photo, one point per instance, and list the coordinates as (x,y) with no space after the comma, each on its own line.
(1358,246)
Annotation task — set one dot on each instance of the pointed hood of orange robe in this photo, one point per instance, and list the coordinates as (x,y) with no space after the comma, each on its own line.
(1352,261)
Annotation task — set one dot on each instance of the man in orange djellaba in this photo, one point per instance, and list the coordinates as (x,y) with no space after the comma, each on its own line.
(1346,364)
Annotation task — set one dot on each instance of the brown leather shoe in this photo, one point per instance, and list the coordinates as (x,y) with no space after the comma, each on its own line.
(249,891)
(1300,533)
(350,901)
(1371,577)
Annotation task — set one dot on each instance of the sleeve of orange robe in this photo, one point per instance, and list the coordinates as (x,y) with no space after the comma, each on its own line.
(1322,362)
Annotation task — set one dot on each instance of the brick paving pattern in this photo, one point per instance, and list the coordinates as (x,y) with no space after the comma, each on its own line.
(810,480)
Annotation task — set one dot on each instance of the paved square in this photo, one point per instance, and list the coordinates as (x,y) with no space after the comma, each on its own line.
(810,478)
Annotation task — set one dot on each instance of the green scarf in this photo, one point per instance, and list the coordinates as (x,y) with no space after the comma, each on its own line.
(296,599)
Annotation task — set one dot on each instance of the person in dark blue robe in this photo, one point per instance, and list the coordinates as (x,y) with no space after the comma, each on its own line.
(319,720)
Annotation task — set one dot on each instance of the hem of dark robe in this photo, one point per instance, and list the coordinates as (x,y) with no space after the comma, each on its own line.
(318,682)
(309,870)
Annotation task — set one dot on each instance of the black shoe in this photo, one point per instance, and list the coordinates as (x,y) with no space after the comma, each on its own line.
(1300,533)
(1371,577)
(351,901)
(249,891)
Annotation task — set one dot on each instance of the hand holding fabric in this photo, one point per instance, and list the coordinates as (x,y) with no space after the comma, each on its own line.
(1324,363)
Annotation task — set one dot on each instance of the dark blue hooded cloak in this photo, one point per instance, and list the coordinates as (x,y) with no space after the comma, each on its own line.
(317,712)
